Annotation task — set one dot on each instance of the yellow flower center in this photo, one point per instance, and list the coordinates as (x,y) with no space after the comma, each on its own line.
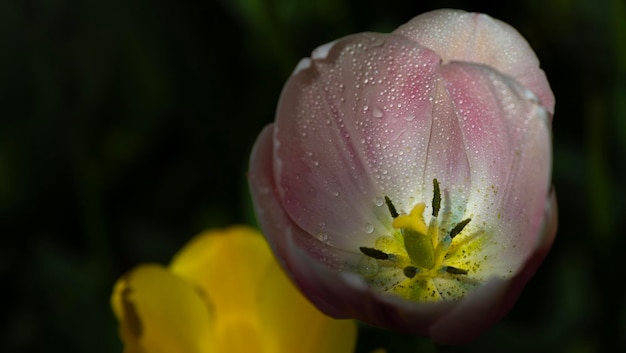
(419,261)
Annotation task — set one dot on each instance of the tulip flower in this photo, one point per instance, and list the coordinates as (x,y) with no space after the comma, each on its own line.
(406,179)
(223,292)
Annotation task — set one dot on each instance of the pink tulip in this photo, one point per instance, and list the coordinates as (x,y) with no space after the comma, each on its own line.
(406,179)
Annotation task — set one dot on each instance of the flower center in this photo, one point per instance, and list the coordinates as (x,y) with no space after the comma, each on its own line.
(414,261)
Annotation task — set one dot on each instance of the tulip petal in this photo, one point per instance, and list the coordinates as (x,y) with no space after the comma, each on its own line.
(467,320)
(230,266)
(461,36)
(252,282)
(294,248)
(497,296)
(353,126)
(507,139)
(154,320)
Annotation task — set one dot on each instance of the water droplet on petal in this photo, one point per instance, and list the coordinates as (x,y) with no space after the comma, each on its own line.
(377,113)
(369,228)
(379,201)
(368,266)
(387,243)
(323,237)
(409,117)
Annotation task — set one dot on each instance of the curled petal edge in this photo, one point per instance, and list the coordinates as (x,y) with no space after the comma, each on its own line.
(479,38)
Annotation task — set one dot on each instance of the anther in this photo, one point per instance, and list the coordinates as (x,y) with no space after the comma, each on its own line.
(459,227)
(374,253)
(392,208)
(455,271)
(410,271)
(436,198)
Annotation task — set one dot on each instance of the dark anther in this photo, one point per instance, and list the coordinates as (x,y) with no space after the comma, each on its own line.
(459,227)
(374,253)
(410,271)
(436,198)
(455,271)
(392,208)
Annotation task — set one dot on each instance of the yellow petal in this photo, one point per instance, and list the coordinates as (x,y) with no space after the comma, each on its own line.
(241,336)
(230,266)
(159,312)
(293,324)
(255,308)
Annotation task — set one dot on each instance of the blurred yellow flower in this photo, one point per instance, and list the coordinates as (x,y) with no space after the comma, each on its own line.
(223,292)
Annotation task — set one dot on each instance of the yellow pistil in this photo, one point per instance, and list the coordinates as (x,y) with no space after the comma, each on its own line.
(413,220)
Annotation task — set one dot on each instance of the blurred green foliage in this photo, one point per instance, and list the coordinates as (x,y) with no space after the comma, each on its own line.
(126,128)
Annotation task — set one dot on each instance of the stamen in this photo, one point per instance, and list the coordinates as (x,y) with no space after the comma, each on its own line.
(392,208)
(374,253)
(459,227)
(410,271)
(455,271)
(436,198)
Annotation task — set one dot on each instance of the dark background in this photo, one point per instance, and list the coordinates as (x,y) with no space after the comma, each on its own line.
(126,126)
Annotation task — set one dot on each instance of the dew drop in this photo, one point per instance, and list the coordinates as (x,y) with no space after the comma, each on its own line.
(377,113)
(368,266)
(369,228)
(409,117)
(386,243)
(336,193)
(379,201)
(323,237)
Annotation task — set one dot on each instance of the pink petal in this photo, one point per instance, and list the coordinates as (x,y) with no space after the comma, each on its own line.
(462,36)
(353,126)
(490,302)
(507,139)
(297,251)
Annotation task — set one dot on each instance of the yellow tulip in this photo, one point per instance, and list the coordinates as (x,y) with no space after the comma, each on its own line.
(223,292)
